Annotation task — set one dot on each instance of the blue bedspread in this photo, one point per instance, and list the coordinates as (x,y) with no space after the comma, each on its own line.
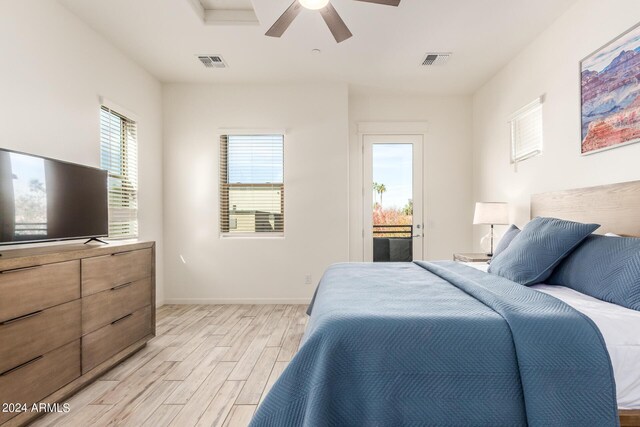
(441,344)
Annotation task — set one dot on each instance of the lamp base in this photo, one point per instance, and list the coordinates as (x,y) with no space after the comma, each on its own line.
(485,244)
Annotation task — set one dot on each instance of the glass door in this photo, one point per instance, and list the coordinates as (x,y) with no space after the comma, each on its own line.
(394,230)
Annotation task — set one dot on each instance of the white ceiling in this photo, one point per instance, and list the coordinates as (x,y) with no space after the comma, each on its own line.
(385,53)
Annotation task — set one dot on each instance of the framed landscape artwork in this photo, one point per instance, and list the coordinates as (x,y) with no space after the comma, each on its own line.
(610,92)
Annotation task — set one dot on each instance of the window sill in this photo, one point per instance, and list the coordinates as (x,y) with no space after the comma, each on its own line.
(526,156)
(260,236)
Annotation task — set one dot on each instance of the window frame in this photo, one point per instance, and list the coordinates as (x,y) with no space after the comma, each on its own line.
(223,132)
(534,107)
(127,118)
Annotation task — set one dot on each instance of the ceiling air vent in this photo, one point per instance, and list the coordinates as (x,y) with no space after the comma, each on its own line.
(433,58)
(212,61)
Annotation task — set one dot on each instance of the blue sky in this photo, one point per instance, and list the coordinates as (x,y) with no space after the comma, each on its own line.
(393,167)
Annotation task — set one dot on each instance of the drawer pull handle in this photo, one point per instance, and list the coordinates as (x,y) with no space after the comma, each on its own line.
(35,359)
(16,270)
(120,253)
(17,319)
(122,318)
(115,288)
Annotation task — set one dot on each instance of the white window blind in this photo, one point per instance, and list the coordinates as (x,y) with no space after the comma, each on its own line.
(252,185)
(526,132)
(119,156)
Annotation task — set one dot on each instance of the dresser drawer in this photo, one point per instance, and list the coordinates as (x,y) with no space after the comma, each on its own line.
(30,289)
(40,377)
(101,309)
(24,338)
(100,345)
(104,272)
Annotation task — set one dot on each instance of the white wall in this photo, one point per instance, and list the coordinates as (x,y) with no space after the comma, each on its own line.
(447,166)
(549,65)
(316,192)
(53,70)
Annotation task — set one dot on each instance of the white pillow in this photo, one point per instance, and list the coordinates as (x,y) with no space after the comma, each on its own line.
(612,235)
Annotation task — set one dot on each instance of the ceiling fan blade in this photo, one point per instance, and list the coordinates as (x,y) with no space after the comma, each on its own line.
(385,2)
(336,25)
(281,25)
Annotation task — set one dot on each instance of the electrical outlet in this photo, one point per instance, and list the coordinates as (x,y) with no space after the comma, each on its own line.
(308,280)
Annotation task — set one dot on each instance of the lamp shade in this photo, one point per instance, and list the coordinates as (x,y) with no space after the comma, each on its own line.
(491,213)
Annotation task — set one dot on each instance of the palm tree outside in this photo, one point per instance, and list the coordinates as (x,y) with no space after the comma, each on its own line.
(382,189)
(376,190)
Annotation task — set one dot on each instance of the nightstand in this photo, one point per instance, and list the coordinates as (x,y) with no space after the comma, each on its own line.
(477,257)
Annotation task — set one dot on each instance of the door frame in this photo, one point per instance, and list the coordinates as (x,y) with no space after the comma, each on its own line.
(365,129)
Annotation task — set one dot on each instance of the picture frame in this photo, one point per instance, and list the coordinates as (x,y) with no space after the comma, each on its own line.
(610,95)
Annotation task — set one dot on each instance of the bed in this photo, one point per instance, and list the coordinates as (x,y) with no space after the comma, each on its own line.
(447,344)
(620,328)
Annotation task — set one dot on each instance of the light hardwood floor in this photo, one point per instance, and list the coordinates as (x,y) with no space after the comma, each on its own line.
(209,365)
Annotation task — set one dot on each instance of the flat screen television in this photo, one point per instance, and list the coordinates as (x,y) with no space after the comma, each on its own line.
(44,199)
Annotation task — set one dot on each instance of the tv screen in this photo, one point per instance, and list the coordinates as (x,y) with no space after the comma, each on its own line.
(44,199)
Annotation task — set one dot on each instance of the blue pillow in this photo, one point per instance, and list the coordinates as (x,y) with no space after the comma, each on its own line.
(506,240)
(607,268)
(540,246)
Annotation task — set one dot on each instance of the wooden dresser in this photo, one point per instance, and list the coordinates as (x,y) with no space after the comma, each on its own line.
(69,313)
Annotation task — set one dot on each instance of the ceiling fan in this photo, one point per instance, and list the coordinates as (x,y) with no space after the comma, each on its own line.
(336,25)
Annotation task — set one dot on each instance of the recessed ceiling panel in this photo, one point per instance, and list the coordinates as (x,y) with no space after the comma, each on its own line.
(226,4)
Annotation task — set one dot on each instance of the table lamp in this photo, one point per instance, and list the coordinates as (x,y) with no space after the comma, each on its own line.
(491,213)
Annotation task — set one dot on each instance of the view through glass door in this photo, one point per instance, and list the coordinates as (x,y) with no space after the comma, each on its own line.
(393,219)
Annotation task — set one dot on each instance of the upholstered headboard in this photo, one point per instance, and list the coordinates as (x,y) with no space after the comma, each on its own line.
(616,207)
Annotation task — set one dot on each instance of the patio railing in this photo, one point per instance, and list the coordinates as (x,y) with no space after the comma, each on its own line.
(392,231)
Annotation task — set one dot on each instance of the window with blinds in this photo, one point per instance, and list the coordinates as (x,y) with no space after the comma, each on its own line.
(252,185)
(526,132)
(119,156)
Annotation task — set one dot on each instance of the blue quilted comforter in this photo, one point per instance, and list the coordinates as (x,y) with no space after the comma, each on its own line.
(441,344)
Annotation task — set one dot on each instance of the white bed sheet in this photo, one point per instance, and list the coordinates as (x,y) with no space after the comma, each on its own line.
(620,328)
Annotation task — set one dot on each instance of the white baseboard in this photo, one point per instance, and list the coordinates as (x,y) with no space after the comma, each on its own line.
(204,301)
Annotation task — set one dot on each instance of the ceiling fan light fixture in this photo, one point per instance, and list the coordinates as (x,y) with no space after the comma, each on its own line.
(314,4)
(331,17)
